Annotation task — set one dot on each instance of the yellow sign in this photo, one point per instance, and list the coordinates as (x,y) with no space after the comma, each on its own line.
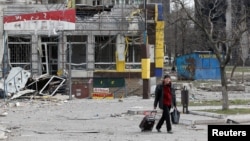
(207,56)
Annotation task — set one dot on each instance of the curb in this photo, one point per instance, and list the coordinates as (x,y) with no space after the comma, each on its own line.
(209,118)
(220,118)
(212,115)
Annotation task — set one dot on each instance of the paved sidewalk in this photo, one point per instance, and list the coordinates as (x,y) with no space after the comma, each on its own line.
(196,117)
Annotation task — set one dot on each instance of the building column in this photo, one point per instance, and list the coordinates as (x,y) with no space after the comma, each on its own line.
(35,61)
(90,60)
(62,52)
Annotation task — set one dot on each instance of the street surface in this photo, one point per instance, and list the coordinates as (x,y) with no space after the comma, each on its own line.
(60,119)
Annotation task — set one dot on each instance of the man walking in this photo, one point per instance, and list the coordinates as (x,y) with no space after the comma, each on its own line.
(165,97)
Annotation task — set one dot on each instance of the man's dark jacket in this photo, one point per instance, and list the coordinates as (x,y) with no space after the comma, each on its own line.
(159,96)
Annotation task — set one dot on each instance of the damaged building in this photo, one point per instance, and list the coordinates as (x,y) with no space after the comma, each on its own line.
(99,46)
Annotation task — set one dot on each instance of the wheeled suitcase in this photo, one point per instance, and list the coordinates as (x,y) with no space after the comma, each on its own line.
(148,122)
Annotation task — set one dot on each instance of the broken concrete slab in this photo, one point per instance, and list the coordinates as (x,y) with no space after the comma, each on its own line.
(21,93)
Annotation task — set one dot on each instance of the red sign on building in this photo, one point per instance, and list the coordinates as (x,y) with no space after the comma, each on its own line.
(43,21)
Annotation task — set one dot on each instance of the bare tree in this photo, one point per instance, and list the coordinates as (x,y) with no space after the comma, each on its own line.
(244,45)
(210,17)
(240,17)
(183,26)
(180,28)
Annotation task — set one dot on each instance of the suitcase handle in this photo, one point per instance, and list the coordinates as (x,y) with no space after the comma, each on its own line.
(153,112)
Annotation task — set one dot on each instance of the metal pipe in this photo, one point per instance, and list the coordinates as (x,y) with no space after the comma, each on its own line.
(70,81)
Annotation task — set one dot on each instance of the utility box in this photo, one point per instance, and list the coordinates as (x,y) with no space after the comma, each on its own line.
(81,90)
(201,65)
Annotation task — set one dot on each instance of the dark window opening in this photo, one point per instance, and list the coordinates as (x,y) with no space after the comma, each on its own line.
(105,52)
(50,39)
(78,45)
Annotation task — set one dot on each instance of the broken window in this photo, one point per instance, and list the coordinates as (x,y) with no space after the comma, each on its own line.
(105,52)
(55,1)
(19,51)
(133,55)
(78,46)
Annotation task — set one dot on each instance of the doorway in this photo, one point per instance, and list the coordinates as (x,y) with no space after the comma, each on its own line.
(49,58)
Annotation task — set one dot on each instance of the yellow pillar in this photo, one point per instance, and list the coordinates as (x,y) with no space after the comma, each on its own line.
(159,45)
(145,63)
(120,66)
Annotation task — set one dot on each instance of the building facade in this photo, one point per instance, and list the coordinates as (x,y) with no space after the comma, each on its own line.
(96,41)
